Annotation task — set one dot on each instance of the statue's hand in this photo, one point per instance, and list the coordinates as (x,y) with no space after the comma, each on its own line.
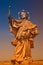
(9,11)
(34,31)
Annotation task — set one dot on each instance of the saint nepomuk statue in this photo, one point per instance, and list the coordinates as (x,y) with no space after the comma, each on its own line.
(24,32)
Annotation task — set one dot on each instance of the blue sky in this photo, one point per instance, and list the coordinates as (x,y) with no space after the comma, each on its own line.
(35,7)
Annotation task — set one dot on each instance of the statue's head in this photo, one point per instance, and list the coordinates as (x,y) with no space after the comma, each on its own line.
(23,14)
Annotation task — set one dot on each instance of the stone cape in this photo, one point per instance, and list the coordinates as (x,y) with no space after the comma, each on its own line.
(18,23)
(22,25)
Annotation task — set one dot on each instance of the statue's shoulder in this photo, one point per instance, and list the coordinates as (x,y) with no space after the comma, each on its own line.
(31,24)
(16,20)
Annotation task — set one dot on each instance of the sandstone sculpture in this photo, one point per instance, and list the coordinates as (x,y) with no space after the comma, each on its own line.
(25,32)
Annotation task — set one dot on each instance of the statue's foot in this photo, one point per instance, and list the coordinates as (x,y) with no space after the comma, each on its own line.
(13,62)
(26,61)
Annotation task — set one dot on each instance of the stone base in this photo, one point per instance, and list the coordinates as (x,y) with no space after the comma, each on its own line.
(33,63)
(25,62)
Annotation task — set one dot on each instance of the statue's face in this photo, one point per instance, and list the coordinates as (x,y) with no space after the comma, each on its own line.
(23,15)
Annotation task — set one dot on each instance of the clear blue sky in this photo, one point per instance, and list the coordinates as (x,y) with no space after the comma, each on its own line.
(35,7)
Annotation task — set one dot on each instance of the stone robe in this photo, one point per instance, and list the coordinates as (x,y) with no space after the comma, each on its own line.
(24,32)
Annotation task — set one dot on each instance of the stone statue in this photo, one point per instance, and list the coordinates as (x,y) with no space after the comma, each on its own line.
(25,32)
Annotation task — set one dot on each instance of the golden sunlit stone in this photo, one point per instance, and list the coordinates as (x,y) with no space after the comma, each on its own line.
(25,32)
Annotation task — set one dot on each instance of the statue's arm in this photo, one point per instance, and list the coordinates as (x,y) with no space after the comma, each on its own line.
(34,31)
(10,19)
(11,27)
